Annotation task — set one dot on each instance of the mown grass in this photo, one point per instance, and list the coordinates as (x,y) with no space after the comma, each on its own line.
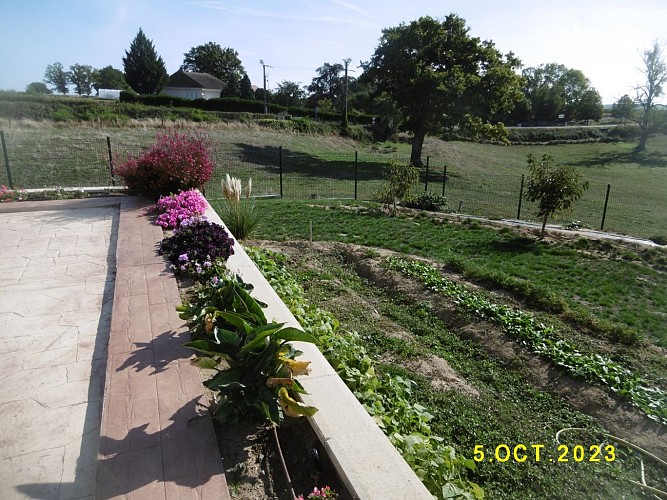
(612,298)
(508,411)
(482,179)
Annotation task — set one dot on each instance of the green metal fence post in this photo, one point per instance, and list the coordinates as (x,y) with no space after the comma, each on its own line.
(113,177)
(518,212)
(6,156)
(356,172)
(444,179)
(604,212)
(426,182)
(280,165)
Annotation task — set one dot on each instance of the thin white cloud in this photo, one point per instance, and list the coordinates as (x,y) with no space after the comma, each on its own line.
(216,5)
(350,6)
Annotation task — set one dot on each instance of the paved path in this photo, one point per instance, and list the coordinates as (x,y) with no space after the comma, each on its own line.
(56,292)
(97,397)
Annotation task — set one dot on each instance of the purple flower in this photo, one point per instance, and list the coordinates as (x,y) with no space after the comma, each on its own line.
(183,257)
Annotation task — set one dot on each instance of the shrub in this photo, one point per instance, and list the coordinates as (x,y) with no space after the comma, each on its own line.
(176,162)
(398,184)
(427,201)
(196,246)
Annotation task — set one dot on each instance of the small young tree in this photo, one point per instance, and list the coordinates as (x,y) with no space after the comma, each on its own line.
(399,182)
(554,188)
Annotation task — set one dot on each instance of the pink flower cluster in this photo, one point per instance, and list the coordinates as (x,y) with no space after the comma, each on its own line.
(318,493)
(179,209)
(10,194)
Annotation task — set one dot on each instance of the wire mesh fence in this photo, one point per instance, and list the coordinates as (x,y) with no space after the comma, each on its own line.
(65,158)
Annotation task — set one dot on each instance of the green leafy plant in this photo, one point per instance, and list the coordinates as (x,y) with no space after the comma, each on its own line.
(399,182)
(239,213)
(255,366)
(543,339)
(386,398)
(427,201)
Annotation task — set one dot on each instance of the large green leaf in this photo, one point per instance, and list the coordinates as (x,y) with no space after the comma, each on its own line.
(224,379)
(203,346)
(235,320)
(206,362)
(258,336)
(292,334)
(251,304)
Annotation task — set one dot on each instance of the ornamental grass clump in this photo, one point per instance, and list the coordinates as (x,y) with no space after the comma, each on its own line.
(174,209)
(198,248)
(239,214)
(177,161)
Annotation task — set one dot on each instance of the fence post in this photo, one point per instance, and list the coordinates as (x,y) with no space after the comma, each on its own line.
(426,183)
(113,178)
(6,156)
(444,179)
(280,165)
(356,173)
(518,212)
(604,212)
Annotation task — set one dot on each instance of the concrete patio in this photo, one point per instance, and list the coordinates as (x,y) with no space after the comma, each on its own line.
(98,399)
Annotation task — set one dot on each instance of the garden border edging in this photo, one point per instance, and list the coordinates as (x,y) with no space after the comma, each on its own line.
(366,461)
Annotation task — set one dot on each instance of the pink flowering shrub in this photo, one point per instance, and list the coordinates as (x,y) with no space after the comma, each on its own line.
(173,210)
(175,162)
(10,194)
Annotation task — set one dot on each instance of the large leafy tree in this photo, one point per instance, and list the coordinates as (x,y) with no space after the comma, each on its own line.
(110,78)
(56,75)
(82,77)
(211,58)
(553,89)
(624,108)
(440,77)
(650,90)
(328,84)
(555,189)
(145,70)
(289,94)
(589,106)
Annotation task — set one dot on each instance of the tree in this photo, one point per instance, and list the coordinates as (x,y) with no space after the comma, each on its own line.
(82,76)
(289,94)
(57,76)
(233,87)
(439,76)
(328,84)
(211,58)
(145,71)
(109,78)
(555,189)
(38,88)
(246,88)
(553,89)
(649,91)
(624,108)
(399,181)
(589,106)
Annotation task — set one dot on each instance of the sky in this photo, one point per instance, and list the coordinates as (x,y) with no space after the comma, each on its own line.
(603,39)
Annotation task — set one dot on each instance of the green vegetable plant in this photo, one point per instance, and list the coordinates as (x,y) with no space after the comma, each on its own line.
(543,339)
(255,366)
(388,399)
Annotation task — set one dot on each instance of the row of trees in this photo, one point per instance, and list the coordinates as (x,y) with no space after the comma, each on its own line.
(426,77)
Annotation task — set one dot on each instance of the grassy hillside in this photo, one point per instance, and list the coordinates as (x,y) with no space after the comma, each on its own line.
(483,179)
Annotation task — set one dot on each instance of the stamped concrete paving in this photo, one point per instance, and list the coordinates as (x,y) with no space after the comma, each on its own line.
(56,293)
(63,314)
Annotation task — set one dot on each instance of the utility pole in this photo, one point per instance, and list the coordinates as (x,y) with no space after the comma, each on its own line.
(347,62)
(264,66)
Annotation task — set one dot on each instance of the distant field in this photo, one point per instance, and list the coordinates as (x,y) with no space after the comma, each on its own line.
(482,179)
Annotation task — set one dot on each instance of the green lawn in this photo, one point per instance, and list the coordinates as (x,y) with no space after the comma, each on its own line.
(614,296)
(482,179)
